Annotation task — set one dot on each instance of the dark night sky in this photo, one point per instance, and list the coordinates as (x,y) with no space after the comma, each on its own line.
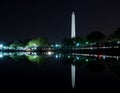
(24,19)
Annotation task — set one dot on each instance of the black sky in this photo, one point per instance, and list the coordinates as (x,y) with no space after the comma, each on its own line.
(24,19)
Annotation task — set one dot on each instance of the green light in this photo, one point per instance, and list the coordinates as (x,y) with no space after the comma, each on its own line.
(86,43)
(86,60)
(36,59)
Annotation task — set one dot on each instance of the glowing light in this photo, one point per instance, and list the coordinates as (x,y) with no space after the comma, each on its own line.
(86,43)
(56,45)
(86,60)
(34,45)
(77,44)
(49,53)
(5,47)
(77,58)
(1,55)
(118,42)
(91,48)
(104,57)
(68,56)
(56,56)
(1,46)
(6,54)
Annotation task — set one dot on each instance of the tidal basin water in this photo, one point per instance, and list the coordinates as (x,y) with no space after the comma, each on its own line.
(59,71)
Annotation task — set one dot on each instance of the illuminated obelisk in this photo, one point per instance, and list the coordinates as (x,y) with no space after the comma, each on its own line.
(73,36)
(73,25)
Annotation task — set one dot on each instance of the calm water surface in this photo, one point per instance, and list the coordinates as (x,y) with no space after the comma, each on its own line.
(59,71)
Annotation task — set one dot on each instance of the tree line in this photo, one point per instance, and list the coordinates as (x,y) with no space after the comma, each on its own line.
(94,36)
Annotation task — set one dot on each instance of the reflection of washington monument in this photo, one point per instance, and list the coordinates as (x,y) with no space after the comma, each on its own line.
(73,36)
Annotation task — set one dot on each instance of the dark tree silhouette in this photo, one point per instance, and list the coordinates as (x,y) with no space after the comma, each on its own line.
(67,42)
(116,34)
(95,36)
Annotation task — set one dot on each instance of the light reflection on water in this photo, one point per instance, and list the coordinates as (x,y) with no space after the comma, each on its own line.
(76,56)
(92,61)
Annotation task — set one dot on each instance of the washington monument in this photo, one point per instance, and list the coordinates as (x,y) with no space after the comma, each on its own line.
(73,36)
(73,25)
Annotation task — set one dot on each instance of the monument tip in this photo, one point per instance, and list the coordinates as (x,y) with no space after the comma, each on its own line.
(73,13)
